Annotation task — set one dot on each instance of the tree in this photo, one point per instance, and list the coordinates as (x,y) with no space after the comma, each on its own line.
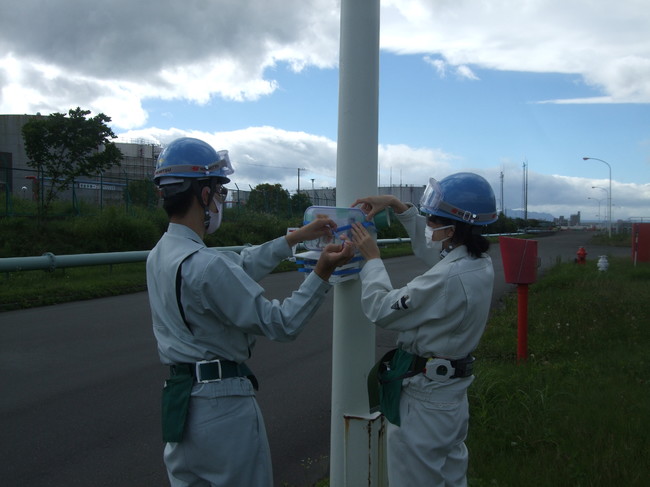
(502,225)
(142,192)
(300,202)
(64,147)
(269,198)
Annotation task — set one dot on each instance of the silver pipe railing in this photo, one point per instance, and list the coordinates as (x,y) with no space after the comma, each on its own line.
(49,262)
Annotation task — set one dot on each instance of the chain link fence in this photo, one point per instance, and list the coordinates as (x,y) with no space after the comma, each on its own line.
(28,192)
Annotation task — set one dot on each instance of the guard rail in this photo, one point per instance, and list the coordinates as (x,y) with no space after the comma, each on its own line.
(49,262)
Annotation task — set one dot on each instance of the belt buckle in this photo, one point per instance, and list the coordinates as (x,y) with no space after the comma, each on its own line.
(439,369)
(198,371)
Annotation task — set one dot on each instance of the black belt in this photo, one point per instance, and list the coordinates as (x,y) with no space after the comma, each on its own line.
(463,367)
(214,370)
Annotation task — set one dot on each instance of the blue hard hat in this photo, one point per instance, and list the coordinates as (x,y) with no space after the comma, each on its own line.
(464,196)
(191,158)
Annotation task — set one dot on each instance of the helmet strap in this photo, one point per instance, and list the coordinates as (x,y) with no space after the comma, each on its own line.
(198,191)
(464,215)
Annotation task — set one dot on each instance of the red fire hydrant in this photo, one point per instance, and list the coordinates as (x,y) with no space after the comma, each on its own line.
(582,256)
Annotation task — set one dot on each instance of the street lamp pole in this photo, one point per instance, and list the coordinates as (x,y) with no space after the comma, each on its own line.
(606,192)
(609,195)
(590,198)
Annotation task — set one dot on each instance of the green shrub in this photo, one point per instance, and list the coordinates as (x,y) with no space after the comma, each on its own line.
(240,227)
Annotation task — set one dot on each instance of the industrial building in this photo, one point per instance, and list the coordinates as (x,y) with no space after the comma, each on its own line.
(18,178)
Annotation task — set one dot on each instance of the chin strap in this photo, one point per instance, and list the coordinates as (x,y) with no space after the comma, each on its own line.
(198,190)
(445,252)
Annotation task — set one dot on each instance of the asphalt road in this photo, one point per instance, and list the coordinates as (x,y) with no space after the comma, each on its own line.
(81,385)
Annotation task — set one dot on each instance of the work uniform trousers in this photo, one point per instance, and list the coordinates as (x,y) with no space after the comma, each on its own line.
(224,443)
(429,446)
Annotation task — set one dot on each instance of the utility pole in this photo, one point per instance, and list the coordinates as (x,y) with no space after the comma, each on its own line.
(609,194)
(503,207)
(299,169)
(356,436)
(525,198)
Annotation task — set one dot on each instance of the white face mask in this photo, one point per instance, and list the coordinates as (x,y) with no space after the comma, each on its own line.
(215,217)
(428,236)
(436,245)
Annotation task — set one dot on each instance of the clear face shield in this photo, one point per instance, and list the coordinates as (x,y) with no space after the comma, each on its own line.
(224,163)
(433,200)
(432,197)
(220,167)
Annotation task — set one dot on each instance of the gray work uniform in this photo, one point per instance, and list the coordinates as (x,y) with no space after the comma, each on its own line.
(441,313)
(224,443)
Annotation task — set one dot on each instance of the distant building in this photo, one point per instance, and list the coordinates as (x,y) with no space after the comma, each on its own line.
(574,220)
(16,175)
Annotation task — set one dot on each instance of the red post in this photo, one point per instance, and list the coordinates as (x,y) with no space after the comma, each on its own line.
(522,323)
(520,263)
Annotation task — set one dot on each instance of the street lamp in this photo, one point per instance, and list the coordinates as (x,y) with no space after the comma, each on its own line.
(607,199)
(599,200)
(609,194)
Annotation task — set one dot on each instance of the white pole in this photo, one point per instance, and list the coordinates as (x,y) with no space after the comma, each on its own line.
(353,351)
(609,194)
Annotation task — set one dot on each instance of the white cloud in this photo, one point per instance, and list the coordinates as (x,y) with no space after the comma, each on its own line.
(401,164)
(604,42)
(269,155)
(264,154)
(107,55)
(466,72)
(441,67)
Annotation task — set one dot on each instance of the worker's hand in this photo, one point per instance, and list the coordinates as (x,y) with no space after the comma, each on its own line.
(333,256)
(322,226)
(364,242)
(371,205)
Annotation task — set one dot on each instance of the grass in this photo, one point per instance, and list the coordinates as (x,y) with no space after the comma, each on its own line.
(576,413)
(26,289)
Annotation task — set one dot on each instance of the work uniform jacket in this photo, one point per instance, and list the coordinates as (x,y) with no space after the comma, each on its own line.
(207,305)
(224,306)
(441,313)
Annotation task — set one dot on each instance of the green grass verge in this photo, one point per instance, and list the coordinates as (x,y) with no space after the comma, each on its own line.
(576,413)
(27,289)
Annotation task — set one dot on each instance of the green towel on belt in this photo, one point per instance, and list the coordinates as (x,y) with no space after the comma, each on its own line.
(385,383)
(175,403)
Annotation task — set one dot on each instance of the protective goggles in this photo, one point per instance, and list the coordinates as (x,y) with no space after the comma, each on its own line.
(221,192)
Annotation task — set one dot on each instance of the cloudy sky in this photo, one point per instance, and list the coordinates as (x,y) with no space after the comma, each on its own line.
(485,86)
